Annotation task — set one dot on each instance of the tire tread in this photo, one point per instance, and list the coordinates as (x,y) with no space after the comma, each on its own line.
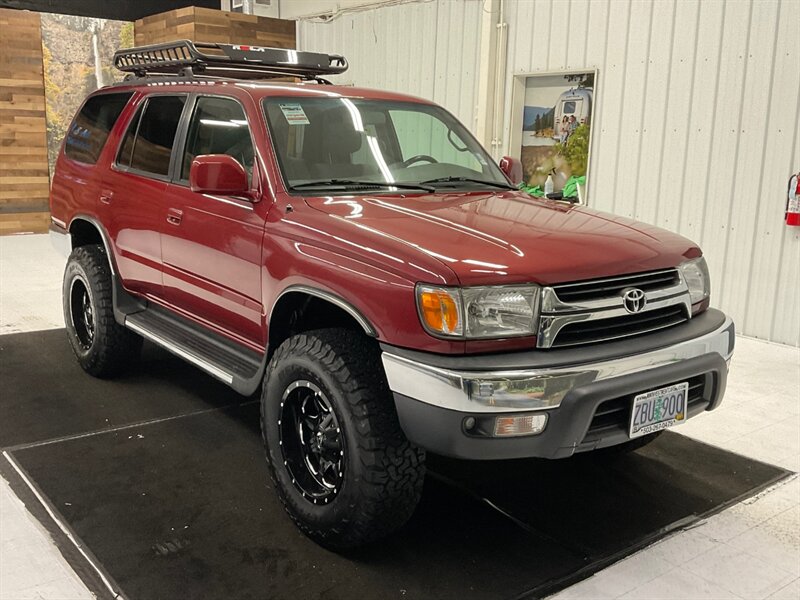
(115,347)
(394,467)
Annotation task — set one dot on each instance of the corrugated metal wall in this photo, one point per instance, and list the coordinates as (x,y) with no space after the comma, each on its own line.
(696,124)
(427,49)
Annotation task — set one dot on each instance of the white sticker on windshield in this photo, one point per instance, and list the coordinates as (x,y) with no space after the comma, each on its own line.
(294,113)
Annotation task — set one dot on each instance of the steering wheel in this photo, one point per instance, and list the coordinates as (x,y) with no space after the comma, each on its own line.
(418,158)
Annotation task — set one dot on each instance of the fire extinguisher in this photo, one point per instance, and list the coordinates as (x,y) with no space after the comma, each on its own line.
(793,201)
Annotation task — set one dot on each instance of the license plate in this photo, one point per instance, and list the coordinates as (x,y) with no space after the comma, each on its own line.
(659,409)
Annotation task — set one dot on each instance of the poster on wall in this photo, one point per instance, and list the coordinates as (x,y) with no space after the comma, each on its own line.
(555,138)
(78,59)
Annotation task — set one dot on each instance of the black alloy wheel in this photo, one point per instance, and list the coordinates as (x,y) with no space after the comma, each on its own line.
(311,442)
(82,312)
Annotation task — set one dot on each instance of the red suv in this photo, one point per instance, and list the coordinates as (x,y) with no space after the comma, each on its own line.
(357,256)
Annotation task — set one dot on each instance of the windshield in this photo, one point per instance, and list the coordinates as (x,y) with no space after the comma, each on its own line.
(349,143)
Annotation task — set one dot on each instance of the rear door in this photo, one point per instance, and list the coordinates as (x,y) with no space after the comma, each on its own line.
(211,244)
(79,169)
(131,198)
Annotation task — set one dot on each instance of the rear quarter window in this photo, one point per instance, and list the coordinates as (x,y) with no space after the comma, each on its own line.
(89,131)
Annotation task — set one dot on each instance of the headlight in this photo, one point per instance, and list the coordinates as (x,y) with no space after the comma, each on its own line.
(500,311)
(479,312)
(695,274)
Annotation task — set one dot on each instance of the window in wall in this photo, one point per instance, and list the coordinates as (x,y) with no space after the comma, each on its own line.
(218,126)
(147,146)
(89,131)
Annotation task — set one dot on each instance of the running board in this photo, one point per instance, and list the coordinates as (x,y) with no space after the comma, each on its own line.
(238,367)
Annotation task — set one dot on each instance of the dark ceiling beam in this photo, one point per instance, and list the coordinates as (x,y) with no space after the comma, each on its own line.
(105,9)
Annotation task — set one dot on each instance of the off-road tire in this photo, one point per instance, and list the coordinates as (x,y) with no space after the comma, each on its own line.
(111,348)
(383,472)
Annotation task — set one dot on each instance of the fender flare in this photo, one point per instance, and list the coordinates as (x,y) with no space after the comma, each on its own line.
(112,261)
(333,299)
(124,303)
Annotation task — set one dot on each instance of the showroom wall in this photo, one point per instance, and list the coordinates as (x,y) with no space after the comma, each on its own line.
(427,49)
(695,123)
(24,179)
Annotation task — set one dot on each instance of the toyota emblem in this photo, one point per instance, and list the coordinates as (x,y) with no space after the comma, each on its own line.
(633,299)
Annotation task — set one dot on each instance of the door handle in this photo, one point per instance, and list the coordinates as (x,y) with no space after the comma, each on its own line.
(174,216)
(106,196)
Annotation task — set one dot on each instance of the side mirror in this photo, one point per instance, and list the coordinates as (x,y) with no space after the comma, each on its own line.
(512,167)
(218,174)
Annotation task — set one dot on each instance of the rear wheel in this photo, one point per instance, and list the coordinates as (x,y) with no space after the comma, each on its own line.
(103,347)
(341,465)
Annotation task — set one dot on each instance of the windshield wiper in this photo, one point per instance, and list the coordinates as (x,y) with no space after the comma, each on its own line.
(451,179)
(357,183)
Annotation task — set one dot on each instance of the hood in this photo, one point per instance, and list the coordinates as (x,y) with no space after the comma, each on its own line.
(509,237)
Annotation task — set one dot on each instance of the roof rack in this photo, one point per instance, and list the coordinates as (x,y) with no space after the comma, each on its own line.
(183,57)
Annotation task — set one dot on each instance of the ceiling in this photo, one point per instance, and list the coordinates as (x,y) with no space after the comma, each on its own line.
(122,11)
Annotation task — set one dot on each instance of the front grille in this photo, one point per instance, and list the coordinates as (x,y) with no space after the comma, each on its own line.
(589,312)
(610,287)
(614,416)
(597,330)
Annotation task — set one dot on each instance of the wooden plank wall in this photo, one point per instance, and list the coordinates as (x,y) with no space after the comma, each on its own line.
(24,178)
(164,27)
(207,25)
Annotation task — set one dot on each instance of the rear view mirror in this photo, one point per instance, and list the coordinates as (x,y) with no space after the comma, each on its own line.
(512,167)
(218,174)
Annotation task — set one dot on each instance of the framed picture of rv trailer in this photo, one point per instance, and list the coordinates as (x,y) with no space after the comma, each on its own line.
(551,131)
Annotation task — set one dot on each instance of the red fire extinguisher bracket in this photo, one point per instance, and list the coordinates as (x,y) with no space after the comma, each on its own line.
(793,201)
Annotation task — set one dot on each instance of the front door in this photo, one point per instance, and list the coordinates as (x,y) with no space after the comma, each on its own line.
(212,245)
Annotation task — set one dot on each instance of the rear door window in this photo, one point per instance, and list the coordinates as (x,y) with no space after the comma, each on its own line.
(89,131)
(147,146)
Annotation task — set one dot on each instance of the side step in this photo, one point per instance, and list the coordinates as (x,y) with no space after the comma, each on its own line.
(227,361)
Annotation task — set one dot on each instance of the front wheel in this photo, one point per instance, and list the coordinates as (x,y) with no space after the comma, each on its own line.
(340,462)
(103,347)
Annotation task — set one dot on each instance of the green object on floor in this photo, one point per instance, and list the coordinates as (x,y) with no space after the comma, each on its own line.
(533,191)
(571,187)
(569,190)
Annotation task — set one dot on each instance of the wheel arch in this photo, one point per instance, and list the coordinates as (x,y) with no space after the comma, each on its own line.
(304,307)
(85,230)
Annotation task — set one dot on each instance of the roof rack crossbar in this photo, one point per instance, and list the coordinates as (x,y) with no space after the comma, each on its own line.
(227,60)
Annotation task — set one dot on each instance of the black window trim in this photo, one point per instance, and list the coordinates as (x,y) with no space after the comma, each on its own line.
(140,110)
(108,92)
(183,132)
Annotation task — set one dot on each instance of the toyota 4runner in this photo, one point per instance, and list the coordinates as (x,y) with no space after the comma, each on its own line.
(357,256)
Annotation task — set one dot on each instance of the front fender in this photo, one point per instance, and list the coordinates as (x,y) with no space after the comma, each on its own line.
(382,302)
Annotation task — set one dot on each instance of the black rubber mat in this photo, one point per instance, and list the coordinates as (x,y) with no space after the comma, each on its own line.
(45,394)
(169,493)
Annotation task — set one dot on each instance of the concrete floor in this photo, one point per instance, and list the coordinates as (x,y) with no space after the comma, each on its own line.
(750,551)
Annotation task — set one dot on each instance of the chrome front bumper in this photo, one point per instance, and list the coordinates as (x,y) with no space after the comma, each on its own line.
(522,390)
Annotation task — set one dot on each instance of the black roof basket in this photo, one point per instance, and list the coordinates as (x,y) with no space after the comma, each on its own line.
(184,57)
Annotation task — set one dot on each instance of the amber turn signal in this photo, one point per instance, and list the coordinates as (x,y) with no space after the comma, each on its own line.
(440,310)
